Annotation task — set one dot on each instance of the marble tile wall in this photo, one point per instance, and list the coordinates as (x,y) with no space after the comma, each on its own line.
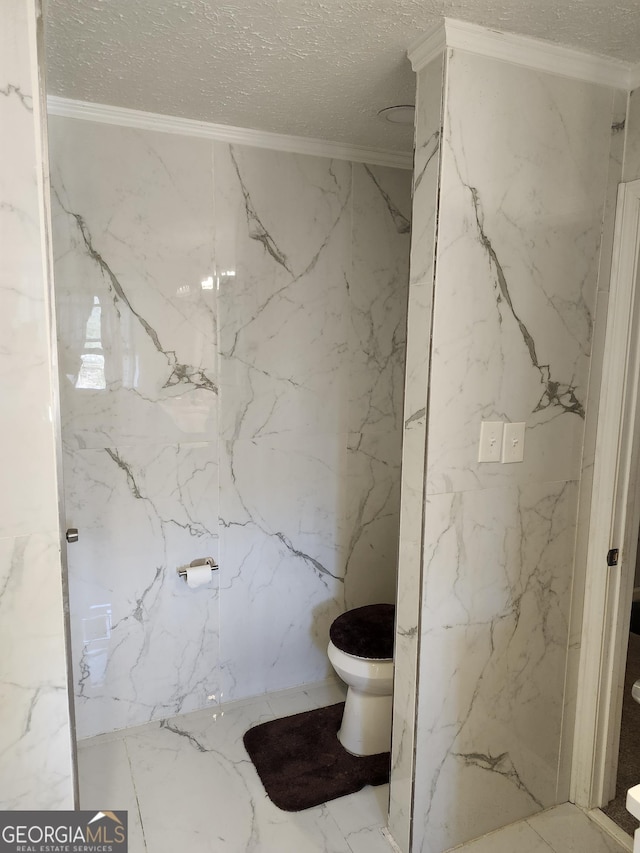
(312,257)
(35,736)
(232,326)
(425,194)
(522,197)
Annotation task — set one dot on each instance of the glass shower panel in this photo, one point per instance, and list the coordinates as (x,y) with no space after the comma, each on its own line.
(136,310)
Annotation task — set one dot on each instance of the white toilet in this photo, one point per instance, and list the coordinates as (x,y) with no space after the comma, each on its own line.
(361,652)
(633,806)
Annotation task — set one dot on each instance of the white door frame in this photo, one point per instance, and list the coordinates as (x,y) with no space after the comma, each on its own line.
(614,521)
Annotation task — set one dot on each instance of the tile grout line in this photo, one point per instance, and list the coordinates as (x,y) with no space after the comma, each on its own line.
(544,840)
(135,791)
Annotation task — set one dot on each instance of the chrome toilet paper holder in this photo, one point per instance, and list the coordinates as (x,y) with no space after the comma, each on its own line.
(204,561)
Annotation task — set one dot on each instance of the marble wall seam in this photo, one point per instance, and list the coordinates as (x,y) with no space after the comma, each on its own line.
(443,101)
(424,222)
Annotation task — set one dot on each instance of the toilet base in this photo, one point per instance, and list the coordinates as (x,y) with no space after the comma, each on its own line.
(366,723)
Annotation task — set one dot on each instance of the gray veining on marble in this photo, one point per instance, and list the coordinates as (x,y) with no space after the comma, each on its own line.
(135,290)
(232,337)
(311,357)
(521,205)
(137,331)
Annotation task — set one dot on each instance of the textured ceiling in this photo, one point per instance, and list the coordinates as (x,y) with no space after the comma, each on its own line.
(318,68)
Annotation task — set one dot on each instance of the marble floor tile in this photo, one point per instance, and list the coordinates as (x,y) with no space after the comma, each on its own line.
(106,783)
(198,790)
(361,816)
(562,829)
(188,784)
(517,837)
(569,830)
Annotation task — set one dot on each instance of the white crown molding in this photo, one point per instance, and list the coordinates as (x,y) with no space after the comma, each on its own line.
(427,47)
(522,50)
(106,114)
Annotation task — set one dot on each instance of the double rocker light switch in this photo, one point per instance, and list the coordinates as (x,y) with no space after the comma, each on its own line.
(500,442)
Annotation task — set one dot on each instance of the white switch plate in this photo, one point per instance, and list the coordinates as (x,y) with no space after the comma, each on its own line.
(513,443)
(490,441)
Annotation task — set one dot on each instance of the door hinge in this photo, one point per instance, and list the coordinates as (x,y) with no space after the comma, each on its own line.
(612,557)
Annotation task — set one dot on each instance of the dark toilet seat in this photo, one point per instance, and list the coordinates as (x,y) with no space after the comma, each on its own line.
(365,632)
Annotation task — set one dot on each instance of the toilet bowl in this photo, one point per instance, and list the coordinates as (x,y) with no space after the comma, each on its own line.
(361,652)
(633,806)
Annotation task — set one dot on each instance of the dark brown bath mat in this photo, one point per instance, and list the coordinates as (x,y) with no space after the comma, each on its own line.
(302,763)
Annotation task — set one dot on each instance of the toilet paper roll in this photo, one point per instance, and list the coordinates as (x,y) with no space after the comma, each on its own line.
(198,576)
